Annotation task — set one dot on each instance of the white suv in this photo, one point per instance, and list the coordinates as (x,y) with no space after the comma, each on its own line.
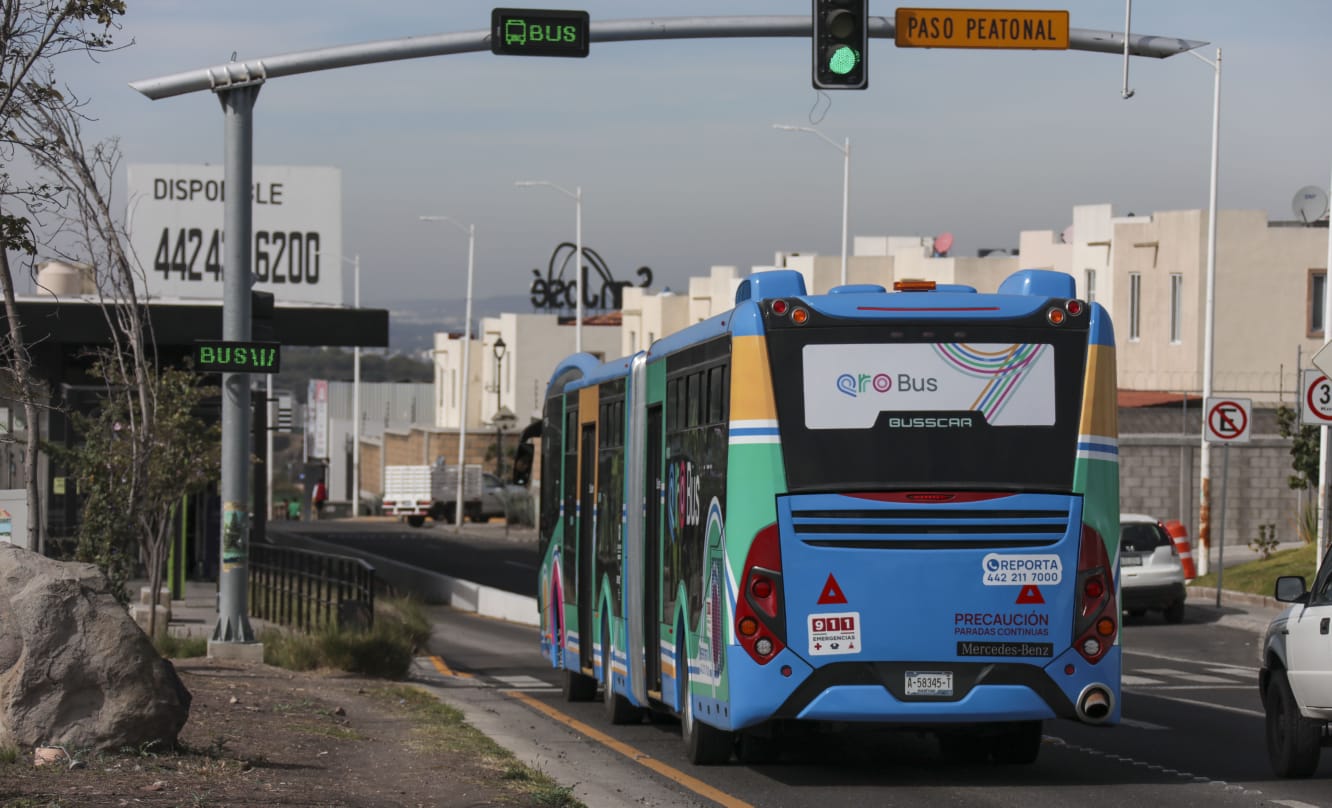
(1296,677)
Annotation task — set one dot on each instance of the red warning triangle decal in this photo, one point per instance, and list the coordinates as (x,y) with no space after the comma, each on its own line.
(1031,593)
(832,593)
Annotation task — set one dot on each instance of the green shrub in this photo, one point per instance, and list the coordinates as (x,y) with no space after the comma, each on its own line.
(401,628)
(8,755)
(173,647)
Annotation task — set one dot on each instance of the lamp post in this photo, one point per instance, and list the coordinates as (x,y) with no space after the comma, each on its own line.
(498,351)
(845,149)
(470,230)
(577,195)
(1205,460)
(356,392)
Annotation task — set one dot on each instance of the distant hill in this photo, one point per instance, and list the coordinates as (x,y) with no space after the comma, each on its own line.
(413,323)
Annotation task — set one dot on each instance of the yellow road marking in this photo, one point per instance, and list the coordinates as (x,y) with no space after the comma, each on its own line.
(670,773)
(443,667)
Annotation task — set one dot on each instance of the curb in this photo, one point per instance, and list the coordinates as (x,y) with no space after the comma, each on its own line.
(1232,598)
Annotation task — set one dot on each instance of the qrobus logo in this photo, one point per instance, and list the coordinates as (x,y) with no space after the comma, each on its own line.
(855,384)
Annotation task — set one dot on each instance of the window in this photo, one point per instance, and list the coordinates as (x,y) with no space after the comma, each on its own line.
(1091,285)
(1176,307)
(1135,305)
(1317,293)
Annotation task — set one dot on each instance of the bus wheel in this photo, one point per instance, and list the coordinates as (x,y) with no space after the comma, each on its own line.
(705,745)
(578,687)
(1292,739)
(619,710)
(1019,745)
(416,520)
(964,747)
(753,749)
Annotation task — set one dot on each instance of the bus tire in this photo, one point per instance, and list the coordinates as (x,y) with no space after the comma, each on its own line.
(577,687)
(705,745)
(964,747)
(619,710)
(1292,739)
(753,749)
(1018,746)
(416,519)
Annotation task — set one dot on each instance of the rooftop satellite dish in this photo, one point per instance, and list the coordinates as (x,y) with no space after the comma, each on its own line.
(1309,204)
(942,244)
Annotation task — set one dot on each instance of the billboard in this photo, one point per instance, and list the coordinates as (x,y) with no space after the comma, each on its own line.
(174,215)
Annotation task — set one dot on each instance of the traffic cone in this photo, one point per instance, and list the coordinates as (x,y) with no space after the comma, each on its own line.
(1180,536)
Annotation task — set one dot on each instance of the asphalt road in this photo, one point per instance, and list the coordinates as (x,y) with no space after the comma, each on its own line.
(1192,735)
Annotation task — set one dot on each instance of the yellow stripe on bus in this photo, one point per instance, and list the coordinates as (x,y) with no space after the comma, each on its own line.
(1100,410)
(751,380)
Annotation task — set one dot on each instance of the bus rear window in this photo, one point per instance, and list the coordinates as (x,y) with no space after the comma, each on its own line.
(859,410)
(1003,384)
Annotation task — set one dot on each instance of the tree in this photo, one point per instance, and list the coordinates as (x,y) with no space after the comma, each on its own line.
(134,468)
(145,449)
(32,34)
(1304,453)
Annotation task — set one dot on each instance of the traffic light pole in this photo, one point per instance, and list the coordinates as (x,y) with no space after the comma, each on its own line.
(291,64)
(232,636)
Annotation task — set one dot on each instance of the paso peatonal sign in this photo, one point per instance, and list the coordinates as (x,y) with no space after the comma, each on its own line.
(216,356)
(554,292)
(981,28)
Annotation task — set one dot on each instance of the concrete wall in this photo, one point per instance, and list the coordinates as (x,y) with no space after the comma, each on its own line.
(1159,451)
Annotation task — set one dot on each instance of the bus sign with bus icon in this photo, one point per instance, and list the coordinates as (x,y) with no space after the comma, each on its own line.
(539,32)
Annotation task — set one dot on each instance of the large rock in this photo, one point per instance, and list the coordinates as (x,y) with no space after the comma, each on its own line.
(75,671)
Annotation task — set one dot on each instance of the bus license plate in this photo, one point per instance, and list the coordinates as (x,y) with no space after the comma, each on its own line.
(929,683)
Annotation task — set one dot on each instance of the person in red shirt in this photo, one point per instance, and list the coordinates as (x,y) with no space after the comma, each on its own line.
(319,498)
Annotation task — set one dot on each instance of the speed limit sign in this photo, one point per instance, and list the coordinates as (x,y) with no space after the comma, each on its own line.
(1316,402)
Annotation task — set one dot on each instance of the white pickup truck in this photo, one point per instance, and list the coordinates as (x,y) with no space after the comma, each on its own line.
(416,492)
(1295,680)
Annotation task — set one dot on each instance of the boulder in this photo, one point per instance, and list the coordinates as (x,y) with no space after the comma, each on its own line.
(75,670)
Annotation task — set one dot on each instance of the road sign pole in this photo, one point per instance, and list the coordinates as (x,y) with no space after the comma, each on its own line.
(1221,524)
(1323,432)
(233,625)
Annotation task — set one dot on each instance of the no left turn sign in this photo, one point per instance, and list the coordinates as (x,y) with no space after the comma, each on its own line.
(1228,420)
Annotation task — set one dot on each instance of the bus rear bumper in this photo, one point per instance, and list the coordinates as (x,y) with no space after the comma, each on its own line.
(872,703)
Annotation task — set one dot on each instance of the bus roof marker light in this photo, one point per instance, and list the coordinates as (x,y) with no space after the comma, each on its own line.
(1055,315)
(913,285)
(1075,307)
(779,307)
(799,316)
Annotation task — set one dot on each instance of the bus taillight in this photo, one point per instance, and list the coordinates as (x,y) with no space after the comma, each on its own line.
(760,617)
(1095,619)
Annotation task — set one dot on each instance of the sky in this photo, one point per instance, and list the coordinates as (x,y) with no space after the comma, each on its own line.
(672,142)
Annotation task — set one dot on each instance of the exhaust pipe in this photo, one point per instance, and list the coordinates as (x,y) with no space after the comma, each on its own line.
(1095,704)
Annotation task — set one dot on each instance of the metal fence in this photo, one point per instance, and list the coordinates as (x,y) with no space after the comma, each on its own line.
(310,591)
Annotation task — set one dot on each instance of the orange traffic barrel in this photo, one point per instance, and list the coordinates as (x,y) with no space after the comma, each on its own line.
(1180,536)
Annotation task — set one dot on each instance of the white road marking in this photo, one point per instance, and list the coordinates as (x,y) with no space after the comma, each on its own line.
(1196,703)
(1128,680)
(1189,676)
(1215,667)
(524,683)
(1136,724)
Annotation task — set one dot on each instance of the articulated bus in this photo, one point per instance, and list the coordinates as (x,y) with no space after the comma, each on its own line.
(897,508)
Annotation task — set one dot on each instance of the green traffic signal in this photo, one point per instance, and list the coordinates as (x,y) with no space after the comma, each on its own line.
(840,34)
(843,60)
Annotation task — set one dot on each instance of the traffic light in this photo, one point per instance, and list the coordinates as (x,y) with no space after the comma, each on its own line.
(841,40)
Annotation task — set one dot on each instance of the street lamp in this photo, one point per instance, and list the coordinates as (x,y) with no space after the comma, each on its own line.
(1205,461)
(577,195)
(470,230)
(499,421)
(356,394)
(845,149)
